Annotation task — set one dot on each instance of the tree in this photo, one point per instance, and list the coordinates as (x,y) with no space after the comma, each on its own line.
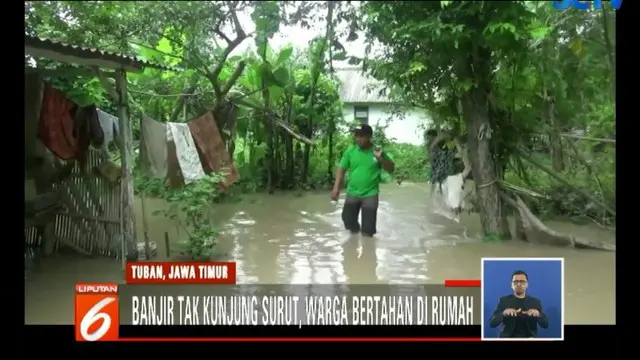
(493,70)
(531,88)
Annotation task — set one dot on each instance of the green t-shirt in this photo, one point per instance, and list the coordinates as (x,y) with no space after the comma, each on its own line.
(364,171)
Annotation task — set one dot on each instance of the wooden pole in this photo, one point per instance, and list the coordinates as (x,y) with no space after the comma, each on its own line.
(167,245)
(145,229)
(145,225)
(123,246)
(127,166)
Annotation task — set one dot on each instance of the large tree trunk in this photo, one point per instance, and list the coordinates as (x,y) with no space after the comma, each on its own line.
(492,215)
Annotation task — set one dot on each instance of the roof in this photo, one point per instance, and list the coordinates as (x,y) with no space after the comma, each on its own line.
(76,54)
(358,87)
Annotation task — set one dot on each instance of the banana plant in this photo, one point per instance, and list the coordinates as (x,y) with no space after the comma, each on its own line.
(274,76)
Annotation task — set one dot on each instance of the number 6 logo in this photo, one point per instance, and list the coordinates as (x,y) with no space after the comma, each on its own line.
(94,315)
(96,312)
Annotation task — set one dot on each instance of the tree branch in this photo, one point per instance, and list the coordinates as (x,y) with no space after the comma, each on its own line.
(179,105)
(232,44)
(106,85)
(612,141)
(202,68)
(218,32)
(160,51)
(564,182)
(233,78)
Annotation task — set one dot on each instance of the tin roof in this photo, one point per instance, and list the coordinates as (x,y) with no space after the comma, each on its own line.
(76,54)
(358,87)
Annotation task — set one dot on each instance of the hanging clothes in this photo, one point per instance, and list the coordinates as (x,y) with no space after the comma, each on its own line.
(153,148)
(186,152)
(109,126)
(88,131)
(174,174)
(56,127)
(213,153)
(208,141)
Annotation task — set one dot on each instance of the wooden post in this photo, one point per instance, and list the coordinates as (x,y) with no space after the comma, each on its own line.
(123,246)
(127,166)
(145,226)
(145,230)
(167,245)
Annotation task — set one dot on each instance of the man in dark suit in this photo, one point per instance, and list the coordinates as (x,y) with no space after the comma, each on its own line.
(519,313)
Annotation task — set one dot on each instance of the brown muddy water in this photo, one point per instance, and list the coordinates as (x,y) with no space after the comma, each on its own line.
(284,238)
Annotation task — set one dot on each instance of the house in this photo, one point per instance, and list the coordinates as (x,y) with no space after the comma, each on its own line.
(364,101)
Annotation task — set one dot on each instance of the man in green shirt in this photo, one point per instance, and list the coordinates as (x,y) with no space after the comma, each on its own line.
(365,163)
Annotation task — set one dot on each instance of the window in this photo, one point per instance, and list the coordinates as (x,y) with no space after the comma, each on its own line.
(361,114)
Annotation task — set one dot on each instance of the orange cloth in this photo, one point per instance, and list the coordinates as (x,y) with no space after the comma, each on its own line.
(213,154)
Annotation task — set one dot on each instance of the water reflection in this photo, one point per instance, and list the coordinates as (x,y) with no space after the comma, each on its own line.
(285,239)
(360,260)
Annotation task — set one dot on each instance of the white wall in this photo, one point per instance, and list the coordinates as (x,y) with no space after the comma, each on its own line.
(408,128)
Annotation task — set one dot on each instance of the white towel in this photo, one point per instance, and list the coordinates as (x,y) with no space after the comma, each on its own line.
(186,151)
(109,125)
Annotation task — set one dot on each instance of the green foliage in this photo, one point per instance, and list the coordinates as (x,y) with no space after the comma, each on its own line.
(189,207)
(411,162)
(544,73)
(528,59)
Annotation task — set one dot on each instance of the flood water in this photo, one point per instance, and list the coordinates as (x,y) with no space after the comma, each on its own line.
(299,238)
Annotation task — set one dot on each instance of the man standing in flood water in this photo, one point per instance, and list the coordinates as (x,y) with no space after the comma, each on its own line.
(365,163)
(519,313)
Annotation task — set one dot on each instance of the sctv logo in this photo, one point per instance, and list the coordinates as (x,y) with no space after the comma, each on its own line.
(584,5)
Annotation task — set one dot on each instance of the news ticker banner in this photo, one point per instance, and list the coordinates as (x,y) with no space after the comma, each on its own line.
(298,305)
(101,309)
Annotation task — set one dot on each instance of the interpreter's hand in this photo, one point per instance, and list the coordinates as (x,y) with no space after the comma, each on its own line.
(335,194)
(511,312)
(532,312)
(377,153)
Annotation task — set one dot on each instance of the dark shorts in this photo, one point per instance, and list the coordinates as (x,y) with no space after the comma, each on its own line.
(441,165)
(353,206)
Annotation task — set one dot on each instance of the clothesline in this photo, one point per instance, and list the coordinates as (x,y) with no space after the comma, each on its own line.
(187,94)
(171,95)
